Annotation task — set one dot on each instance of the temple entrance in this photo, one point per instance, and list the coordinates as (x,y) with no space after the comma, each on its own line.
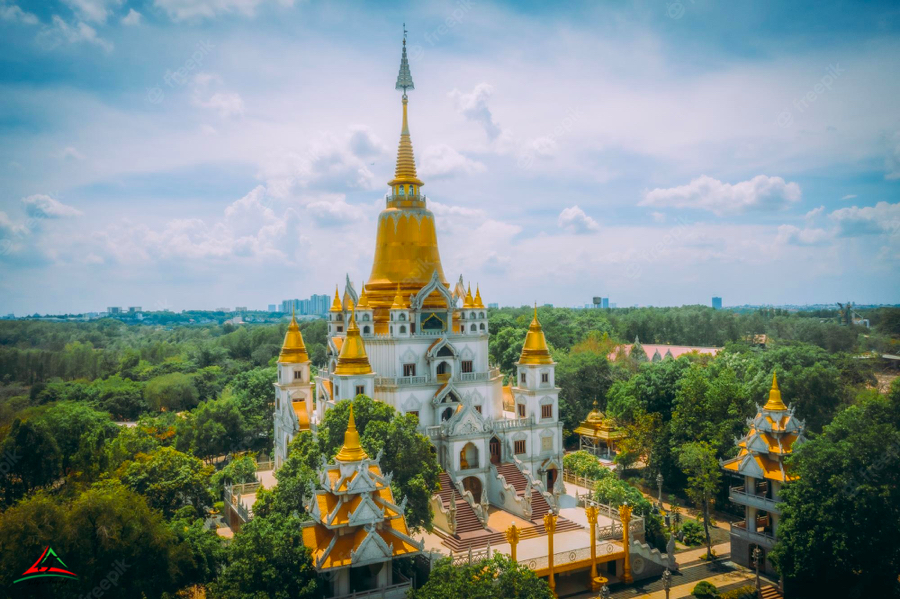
(444,371)
(468,457)
(551,478)
(473,485)
(495,450)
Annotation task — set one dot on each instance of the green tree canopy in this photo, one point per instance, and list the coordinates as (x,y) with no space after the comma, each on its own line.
(486,579)
(169,480)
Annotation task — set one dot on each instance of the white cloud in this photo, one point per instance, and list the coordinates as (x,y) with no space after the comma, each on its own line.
(59,32)
(892,161)
(71,153)
(814,213)
(759,193)
(180,10)
(795,236)
(869,220)
(92,10)
(132,18)
(43,206)
(12,12)
(574,220)
(849,196)
(335,212)
(443,161)
(474,107)
(363,143)
(658,217)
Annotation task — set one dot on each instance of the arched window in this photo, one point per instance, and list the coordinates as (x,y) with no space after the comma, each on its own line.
(481,315)
(402,316)
(402,189)
(482,326)
(366,330)
(472,315)
(473,328)
(402,330)
(365,317)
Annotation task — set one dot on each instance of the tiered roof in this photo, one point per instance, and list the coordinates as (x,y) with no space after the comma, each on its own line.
(773,432)
(355,520)
(598,426)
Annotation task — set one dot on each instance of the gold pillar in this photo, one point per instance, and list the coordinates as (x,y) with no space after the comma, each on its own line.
(512,535)
(591,512)
(550,527)
(625,517)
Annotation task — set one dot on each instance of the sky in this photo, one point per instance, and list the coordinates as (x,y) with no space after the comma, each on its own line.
(191,154)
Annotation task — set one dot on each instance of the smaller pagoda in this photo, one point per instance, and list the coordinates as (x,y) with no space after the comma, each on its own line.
(357,529)
(760,464)
(599,434)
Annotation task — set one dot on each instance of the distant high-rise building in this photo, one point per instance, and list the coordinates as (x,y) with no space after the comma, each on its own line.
(717,303)
(604,302)
(612,304)
(493,305)
(319,303)
(240,309)
(273,307)
(133,309)
(114,310)
(304,307)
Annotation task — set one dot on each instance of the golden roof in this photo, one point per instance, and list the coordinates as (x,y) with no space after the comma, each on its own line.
(535,350)
(336,304)
(775,404)
(363,302)
(293,350)
(468,302)
(399,301)
(478,303)
(351,451)
(353,358)
(598,426)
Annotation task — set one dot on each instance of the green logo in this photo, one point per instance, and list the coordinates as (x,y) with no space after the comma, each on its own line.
(47,565)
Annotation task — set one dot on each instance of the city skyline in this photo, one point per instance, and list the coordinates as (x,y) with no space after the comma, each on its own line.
(189,155)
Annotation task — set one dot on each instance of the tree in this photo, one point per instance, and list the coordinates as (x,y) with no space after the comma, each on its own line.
(487,579)
(253,394)
(31,457)
(296,474)
(171,392)
(841,517)
(213,429)
(169,480)
(238,471)
(80,432)
(121,397)
(582,377)
(582,463)
(699,462)
(267,559)
(640,435)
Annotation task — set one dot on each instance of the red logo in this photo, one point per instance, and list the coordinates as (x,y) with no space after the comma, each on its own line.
(46,565)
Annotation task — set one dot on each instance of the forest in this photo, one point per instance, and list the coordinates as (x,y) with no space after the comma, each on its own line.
(193,397)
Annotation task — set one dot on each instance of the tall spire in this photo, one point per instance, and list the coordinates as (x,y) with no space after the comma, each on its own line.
(351,451)
(293,351)
(775,404)
(478,303)
(534,350)
(406,161)
(336,305)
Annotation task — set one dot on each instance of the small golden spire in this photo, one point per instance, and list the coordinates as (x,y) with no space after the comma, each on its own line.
(775,404)
(336,304)
(478,303)
(468,302)
(399,301)
(534,350)
(293,351)
(351,451)
(353,358)
(363,303)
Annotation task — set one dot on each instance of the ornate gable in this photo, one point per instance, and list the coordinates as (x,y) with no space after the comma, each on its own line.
(467,421)
(371,550)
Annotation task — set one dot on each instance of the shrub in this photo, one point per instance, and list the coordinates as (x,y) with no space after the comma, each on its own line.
(744,592)
(705,590)
(582,463)
(693,533)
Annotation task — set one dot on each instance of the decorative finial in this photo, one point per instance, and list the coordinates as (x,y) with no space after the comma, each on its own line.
(404,78)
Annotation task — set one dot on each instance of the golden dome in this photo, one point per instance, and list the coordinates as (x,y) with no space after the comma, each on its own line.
(468,302)
(336,305)
(535,350)
(353,358)
(775,404)
(293,351)
(351,451)
(363,302)
(478,303)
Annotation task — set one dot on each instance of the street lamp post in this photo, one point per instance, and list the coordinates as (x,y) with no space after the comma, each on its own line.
(667,581)
(659,482)
(757,556)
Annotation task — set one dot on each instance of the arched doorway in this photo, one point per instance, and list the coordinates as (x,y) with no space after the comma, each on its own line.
(446,414)
(443,371)
(495,450)
(551,478)
(473,485)
(468,457)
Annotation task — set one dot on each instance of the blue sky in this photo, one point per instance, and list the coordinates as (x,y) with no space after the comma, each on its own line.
(203,153)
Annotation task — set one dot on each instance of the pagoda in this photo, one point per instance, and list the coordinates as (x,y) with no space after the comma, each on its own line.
(357,529)
(598,434)
(760,462)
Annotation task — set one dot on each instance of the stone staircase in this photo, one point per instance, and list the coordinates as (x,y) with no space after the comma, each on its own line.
(514,476)
(770,592)
(466,519)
